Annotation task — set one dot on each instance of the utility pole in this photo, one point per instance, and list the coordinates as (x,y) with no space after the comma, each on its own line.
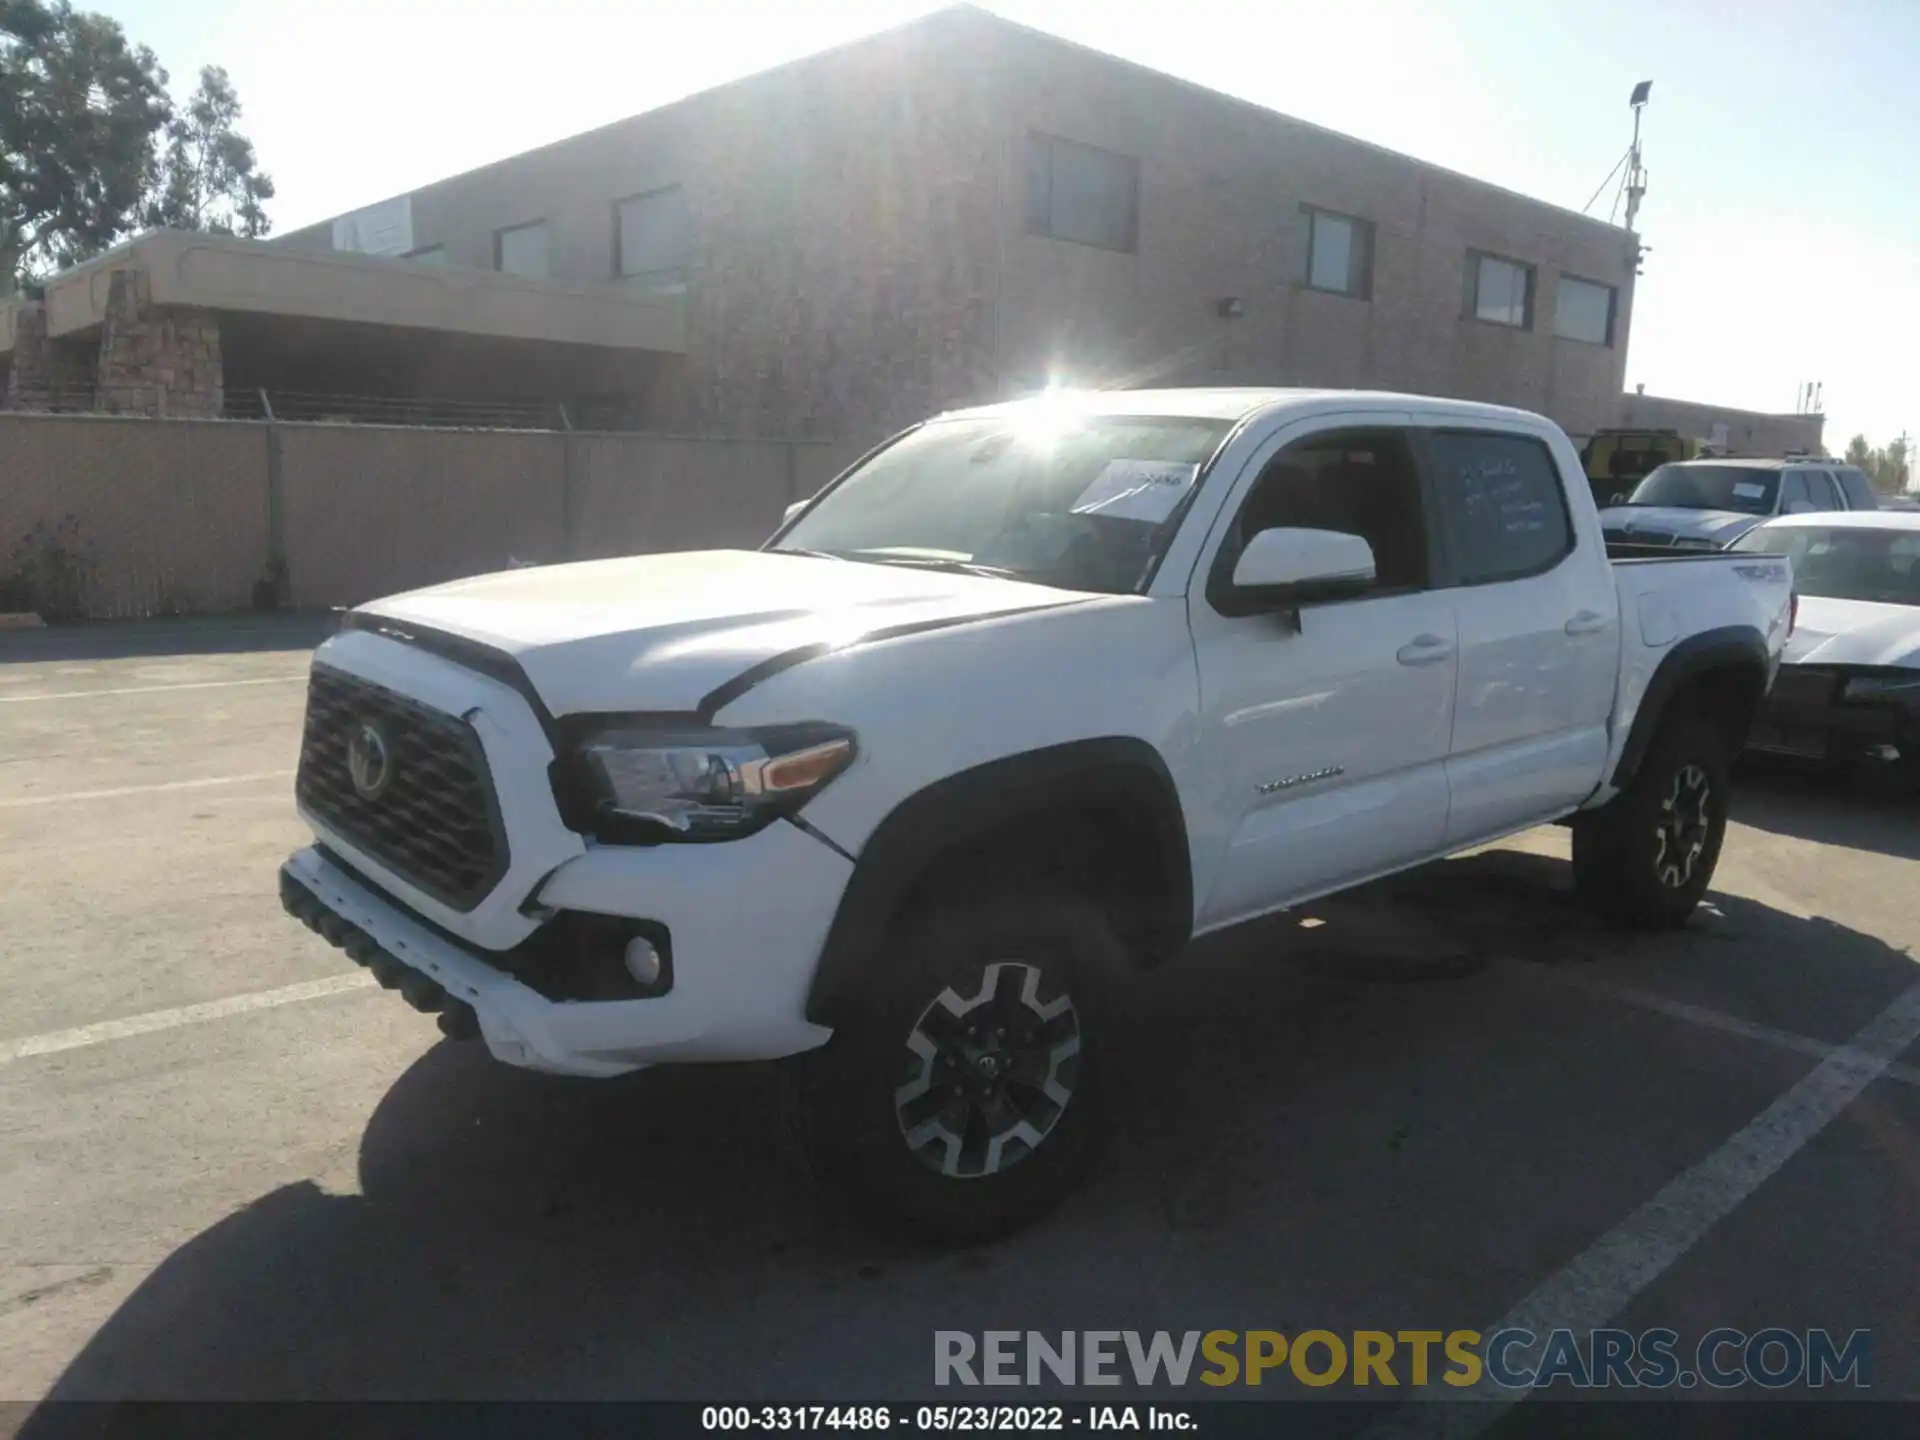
(1636,176)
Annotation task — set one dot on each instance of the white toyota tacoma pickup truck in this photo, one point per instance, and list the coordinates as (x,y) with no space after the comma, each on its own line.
(1018,705)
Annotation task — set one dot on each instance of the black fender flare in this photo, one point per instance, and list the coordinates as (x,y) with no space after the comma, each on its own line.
(951,812)
(1729,647)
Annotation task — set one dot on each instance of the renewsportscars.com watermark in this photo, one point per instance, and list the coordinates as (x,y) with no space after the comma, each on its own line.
(1773,1358)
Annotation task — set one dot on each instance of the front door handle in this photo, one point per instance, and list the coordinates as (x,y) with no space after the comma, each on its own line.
(1587,622)
(1425,650)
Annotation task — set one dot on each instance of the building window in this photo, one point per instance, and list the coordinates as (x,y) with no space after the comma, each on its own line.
(1499,291)
(1584,311)
(1079,193)
(650,241)
(522,250)
(427,255)
(1336,253)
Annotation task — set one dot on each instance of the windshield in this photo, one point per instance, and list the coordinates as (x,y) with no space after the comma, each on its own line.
(1845,564)
(1080,502)
(1710,487)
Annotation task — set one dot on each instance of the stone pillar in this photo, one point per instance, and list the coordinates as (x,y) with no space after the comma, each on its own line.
(160,361)
(47,373)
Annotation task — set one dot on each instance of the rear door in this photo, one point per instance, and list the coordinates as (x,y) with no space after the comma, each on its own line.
(1538,619)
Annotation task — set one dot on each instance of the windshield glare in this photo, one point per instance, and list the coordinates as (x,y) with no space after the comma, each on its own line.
(1079,502)
(1710,487)
(1845,564)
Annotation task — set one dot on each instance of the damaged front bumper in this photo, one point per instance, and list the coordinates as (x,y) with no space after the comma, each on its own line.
(1838,713)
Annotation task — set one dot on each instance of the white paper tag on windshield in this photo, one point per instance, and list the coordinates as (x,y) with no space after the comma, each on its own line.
(1136,490)
(1747,490)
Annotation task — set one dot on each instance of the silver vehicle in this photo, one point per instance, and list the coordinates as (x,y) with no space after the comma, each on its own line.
(1849,683)
(1708,504)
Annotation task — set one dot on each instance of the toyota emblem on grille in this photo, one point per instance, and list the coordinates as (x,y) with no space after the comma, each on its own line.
(369,760)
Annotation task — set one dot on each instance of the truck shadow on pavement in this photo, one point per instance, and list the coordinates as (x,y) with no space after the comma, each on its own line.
(659,1237)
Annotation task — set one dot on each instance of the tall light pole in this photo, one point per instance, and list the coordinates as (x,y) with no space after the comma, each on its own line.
(1636,177)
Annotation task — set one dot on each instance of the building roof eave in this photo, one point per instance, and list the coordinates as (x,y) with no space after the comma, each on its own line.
(221,273)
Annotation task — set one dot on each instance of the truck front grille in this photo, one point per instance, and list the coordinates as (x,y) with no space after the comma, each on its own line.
(405,784)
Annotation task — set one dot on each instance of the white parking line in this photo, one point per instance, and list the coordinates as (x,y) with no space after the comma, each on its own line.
(57,1040)
(155,788)
(1697,1015)
(1598,1285)
(150,689)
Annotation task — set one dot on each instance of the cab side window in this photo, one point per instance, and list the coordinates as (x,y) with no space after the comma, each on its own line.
(1362,482)
(1795,497)
(1504,507)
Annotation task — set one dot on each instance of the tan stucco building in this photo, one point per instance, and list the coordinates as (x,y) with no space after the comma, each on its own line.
(952,211)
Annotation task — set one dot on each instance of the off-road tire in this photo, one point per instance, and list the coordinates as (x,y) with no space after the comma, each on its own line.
(1645,859)
(874,1119)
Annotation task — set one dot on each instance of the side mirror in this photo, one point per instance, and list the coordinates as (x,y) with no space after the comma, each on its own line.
(1284,567)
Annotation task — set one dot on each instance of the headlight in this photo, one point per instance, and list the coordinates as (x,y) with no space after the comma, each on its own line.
(639,784)
(1883,687)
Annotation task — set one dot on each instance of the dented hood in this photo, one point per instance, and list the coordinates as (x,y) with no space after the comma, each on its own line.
(1854,632)
(672,632)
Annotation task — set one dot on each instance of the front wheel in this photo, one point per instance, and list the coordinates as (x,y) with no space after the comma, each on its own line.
(1646,857)
(960,1100)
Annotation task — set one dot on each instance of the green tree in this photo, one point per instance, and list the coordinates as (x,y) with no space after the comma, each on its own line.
(211,178)
(1895,465)
(80,108)
(1888,467)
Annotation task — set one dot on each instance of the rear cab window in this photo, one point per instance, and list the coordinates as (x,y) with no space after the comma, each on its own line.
(1503,508)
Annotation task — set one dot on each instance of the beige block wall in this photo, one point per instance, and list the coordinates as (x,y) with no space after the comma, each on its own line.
(141,517)
(640,494)
(152,518)
(372,510)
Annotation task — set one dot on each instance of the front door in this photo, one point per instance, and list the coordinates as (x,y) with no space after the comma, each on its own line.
(1326,726)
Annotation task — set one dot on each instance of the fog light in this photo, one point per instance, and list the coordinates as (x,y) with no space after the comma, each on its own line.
(643,961)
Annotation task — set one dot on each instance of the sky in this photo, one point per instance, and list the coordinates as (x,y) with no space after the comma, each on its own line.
(1782,143)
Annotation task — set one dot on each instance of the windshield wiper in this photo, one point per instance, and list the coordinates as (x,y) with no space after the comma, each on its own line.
(814,554)
(953,567)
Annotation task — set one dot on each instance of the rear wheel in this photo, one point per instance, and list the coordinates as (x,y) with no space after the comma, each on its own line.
(1646,857)
(960,1100)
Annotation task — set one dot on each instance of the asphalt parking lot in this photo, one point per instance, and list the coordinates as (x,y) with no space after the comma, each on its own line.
(231,1168)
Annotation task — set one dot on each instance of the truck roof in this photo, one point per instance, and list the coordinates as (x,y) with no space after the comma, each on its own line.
(1233,403)
(1777,462)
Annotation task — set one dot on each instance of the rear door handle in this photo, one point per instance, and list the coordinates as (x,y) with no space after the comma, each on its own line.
(1425,650)
(1587,622)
